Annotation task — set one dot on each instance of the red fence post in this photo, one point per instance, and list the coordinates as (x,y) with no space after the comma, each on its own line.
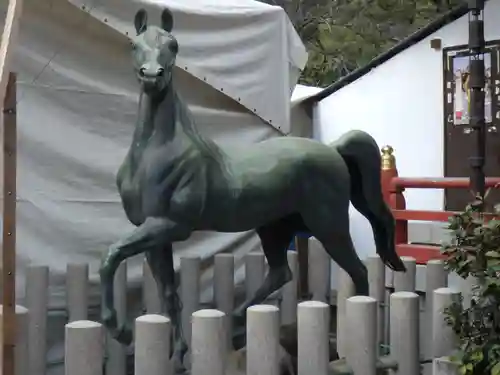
(393,195)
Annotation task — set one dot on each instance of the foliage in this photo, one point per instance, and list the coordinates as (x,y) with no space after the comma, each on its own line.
(343,35)
(475,252)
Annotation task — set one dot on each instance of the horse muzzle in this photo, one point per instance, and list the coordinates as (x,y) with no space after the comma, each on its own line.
(150,83)
(152,80)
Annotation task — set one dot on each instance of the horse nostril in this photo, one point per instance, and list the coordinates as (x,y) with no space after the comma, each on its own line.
(142,71)
(160,72)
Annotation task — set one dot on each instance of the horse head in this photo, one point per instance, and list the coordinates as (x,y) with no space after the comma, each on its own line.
(154,50)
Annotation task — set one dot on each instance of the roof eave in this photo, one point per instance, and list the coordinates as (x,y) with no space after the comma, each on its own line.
(411,40)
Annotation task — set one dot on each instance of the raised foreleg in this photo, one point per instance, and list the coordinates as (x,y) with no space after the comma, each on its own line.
(154,233)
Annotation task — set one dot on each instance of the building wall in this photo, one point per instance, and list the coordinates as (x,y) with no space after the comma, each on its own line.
(401,104)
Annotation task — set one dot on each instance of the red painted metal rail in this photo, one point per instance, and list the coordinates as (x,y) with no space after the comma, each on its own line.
(393,187)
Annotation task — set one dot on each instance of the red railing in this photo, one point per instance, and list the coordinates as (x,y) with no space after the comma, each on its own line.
(393,187)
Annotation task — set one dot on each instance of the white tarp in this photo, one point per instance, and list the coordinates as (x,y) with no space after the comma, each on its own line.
(237,46)
(77,100)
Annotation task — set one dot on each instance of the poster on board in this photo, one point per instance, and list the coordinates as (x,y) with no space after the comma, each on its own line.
(461,95)
(457,73)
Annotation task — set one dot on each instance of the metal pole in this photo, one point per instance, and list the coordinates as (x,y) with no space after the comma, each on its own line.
(476,87)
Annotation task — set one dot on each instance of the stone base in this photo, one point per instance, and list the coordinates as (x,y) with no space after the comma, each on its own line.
(444,366)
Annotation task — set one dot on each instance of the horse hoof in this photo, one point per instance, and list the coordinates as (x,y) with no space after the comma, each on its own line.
(239,338)
(239,320)
(124,336)
(178,366)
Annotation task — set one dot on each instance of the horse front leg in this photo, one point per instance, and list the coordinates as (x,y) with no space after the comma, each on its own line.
(161,263)
(149,235)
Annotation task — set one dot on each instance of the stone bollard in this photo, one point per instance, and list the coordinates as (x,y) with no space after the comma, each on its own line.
(466,290)
(152,345)
(262,340)
(190,292)
(77,289)
(362,348)
(254,272)
(444,366)
(313,326)
(376,280)
(436,277)
(345,290)
(319,271)
(21,351)
(405,281)
(443,337)
(83,348)
(37,285)
(208,344)
(117,356)
(289,299)
(405,330)
(224,290)
(150,294)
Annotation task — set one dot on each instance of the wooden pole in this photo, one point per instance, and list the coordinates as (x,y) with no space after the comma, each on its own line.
(8,99)
(9,229)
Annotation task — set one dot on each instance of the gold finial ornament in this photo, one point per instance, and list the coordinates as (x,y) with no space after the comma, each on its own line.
(388,159)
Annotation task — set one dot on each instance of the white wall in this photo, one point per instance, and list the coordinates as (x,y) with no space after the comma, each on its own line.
(400,103)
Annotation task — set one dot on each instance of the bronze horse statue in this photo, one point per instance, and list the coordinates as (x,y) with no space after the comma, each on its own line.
(174,181)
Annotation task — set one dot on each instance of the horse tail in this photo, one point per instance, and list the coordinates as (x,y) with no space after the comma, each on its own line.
(361,154)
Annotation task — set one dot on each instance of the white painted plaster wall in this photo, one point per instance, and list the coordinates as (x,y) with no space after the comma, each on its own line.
(401,104)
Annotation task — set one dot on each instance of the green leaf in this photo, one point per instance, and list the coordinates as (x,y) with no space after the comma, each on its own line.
(477,356)
(495,370)
(463,370)
(456,358)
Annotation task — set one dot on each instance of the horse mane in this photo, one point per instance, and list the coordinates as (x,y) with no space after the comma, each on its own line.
(208,146)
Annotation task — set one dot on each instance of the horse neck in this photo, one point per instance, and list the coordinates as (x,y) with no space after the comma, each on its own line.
(156,117)
(186,128)
(166,119)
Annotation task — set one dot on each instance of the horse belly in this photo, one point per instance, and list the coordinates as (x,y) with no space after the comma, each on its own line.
(250,207)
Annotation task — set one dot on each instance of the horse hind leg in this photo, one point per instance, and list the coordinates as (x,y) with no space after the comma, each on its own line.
(275,238)
(330,225)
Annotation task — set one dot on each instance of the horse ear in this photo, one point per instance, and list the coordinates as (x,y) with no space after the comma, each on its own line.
(141,21)
(167,20)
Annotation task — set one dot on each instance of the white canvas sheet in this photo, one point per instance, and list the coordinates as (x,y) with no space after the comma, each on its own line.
(238,47)
(77,100)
